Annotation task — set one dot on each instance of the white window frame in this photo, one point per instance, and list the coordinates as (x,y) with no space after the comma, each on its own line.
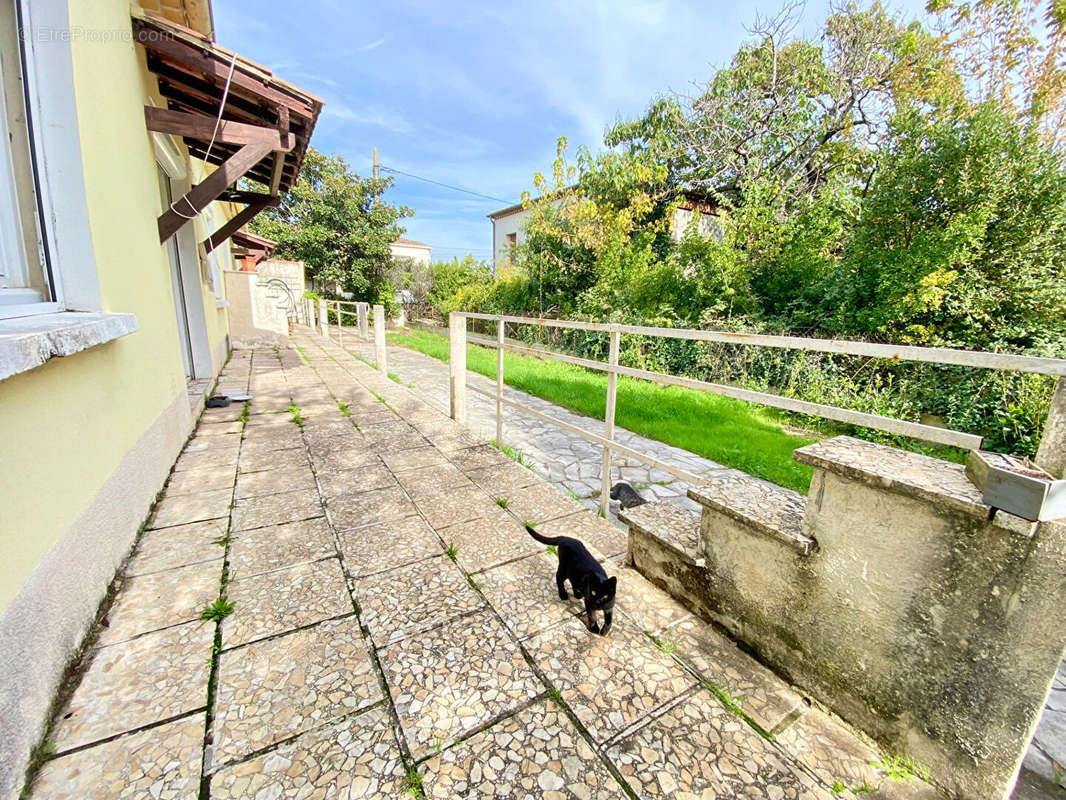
(56,154)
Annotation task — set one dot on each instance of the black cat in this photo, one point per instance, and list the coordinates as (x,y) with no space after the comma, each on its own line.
(587,578)
(626,495)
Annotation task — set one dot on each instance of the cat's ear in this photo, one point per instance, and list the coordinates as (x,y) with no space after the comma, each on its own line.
(611,584)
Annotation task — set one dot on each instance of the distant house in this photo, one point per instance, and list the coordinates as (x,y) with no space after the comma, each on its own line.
(419,252)
(508,230)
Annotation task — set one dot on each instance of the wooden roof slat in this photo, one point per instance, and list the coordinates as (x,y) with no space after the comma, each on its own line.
(147,33)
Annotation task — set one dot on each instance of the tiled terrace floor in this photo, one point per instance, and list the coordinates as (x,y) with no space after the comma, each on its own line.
(361,661)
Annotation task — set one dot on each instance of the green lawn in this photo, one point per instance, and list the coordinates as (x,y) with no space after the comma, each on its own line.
(728,431)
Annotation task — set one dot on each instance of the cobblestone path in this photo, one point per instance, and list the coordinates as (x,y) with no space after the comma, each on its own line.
(395,632)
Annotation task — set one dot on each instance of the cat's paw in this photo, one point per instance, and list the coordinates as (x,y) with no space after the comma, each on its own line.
(564,596)
(603,630)
(594,628)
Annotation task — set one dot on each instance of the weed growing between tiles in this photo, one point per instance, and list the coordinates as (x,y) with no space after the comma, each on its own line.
(295,411)
(514,454)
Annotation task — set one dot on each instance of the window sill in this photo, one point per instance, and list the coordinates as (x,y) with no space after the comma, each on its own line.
(28,342)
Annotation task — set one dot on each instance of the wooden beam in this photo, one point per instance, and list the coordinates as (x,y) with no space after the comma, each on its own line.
(200,127)
(209,189)
(248,198)
(242,218)
(279,158)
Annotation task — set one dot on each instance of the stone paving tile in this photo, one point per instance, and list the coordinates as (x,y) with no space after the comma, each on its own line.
(331,435)
(293,458)
(158,550)
(275,546)
(345,460)
(409,599)
(256,484)
(482,455)
(489,540)
(366,418)
(211,451)
(503,478)
(162,763)
(259,420)
(335,483)
(524,594)
(761,694)
(537,753)
(271,690)
(135,683)
(831,750)
(161,599)
(455,505)
(610,681)
(433,480)
(541,502)
(209,428)
(201,480)
(275,509)
(257,445)
(354,759)
(451,442)
(387,545)
(184,508)
(368,508)
(592,530)
(646,605)
(452,679)
(414,458)
(375,434)
(274,602)
(401,441)
(698,748)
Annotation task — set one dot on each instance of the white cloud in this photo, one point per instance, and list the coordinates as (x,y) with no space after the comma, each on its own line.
(366,48)
(374,117)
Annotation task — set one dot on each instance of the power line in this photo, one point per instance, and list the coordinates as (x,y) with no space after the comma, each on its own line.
(445,185)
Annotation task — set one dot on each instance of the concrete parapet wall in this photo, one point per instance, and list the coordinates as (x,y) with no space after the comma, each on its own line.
(255,319)
(915,617)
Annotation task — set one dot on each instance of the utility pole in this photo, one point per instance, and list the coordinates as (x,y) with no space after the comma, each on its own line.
(375,163)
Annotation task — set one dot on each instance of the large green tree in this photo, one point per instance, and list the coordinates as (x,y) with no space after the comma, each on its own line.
(338,224)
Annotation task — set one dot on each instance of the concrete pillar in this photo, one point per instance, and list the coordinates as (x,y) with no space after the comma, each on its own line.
(612,394)
(1052,453)
(457,365)
(380,354)
(323,317)
(364,329)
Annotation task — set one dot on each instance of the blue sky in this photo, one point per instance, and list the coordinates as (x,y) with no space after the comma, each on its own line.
(476,94)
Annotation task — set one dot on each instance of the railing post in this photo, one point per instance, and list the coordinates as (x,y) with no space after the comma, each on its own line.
(457,365)
(364,330)
(323,317)
(340,325)
(499,382)
(612,392)
(379,339)
(1052,453)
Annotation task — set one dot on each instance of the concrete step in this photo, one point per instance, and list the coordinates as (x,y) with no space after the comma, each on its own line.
(673,527)
(758,505)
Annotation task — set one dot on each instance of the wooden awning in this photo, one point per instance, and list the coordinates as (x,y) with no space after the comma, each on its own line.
(265,129)
(247,244)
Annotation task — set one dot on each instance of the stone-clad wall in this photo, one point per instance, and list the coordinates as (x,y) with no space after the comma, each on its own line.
(915,617)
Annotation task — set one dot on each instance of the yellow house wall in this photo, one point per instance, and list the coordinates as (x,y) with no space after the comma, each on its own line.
(67,425)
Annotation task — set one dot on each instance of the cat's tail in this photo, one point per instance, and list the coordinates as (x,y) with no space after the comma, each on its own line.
(544,539)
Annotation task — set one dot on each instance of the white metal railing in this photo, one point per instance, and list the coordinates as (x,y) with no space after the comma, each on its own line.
(361,314)
(1053,442)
